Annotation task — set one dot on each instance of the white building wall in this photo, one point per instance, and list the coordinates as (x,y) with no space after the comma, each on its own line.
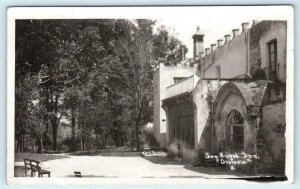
(231,58)
(163,77)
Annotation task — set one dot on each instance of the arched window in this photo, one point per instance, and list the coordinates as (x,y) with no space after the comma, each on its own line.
(235,132)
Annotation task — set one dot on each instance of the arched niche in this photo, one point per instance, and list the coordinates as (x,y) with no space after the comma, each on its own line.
(231,101)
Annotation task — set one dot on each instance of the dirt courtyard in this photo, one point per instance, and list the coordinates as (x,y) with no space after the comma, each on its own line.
(133,166)
(114,166)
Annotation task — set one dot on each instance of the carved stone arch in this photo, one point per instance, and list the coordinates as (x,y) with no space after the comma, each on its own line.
(232,97)
(230,92)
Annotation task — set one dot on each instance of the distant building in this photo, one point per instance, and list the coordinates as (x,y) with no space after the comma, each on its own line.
(227,109)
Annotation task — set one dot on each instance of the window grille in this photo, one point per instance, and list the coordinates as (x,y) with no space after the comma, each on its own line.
(181,126)
(235,132)
(272,52)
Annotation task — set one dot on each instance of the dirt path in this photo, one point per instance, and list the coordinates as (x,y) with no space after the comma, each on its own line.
(114,166)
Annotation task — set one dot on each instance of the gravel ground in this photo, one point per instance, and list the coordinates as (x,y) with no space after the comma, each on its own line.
(114,166)
(121,165)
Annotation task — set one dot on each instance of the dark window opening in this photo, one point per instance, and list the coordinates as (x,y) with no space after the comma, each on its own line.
(272,52)
(178,79)
(218,72)
(235,132)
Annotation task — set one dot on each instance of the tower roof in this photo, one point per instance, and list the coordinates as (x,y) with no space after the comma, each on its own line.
(198,33)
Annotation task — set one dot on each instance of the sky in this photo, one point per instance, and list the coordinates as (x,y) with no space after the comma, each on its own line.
(214,22)
(185,29)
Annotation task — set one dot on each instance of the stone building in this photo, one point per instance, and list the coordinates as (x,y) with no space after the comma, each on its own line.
(238,104)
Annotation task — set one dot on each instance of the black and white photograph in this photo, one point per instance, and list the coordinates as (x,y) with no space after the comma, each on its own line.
(150,95)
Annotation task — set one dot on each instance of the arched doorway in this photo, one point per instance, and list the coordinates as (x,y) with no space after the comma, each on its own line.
(234,132)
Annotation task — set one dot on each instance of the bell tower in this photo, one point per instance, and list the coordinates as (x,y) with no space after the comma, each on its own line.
(198,43)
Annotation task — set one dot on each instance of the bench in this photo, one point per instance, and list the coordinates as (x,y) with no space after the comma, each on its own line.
(34,167)
(77,174)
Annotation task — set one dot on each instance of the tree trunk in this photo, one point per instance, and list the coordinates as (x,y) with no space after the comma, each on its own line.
(22,143)
(83,147)
(73,142)
(97,141)
(81,141)
(137,136)
(55,122)
(41,142)
(54,134)
(105,140)
(18,145)
(32,146)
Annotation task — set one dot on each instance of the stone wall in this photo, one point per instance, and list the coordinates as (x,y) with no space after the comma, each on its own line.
(271,135)
(273,132)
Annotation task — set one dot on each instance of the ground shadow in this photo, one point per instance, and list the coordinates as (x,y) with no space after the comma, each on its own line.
(239,175)
(19,171)
(19,157)
(106,153)
(163,160)
(265,179)
(211,170)
(123,151)
(92,176)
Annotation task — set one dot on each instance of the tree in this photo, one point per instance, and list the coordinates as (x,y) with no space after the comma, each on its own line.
(62,53)
(25,92)
(37,52)
(167,48)
(134,75)
(39,119)
(95,73)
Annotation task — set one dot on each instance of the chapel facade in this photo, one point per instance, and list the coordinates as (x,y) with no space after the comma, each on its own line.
(235,100)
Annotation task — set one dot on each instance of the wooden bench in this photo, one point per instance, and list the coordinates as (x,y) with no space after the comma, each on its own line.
(34,167)
(77,174)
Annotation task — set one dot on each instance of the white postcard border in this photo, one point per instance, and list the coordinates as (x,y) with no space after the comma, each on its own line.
(259,12)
